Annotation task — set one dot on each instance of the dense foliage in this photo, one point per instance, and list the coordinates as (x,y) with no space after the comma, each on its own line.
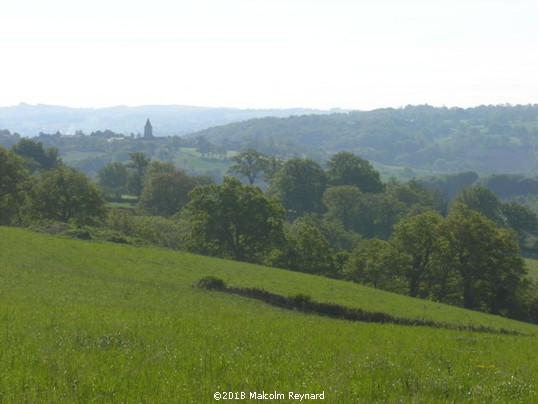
(341,221)
(489,139)
(486,139)
(231,220)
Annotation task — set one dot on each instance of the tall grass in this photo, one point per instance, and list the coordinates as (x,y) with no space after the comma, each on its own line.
(97,322)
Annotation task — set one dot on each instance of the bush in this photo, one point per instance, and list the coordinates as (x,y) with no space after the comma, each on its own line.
(153,230)
(211,283)
(302,301)
(82,234)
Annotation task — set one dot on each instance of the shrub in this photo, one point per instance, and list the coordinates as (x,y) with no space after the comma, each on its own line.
(211,283)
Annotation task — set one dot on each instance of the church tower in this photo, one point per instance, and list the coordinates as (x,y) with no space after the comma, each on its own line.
(148,130)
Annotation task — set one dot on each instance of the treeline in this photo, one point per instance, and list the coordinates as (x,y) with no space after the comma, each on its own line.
(341,221)
(91,152)
(505,186)
(490,139)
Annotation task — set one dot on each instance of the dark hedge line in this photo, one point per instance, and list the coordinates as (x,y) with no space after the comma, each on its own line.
(306,304)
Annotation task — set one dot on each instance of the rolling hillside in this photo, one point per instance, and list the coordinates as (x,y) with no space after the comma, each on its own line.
(486,139)
(30,120)
(88,321)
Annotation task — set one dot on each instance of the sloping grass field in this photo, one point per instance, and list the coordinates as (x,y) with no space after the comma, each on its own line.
(99,322)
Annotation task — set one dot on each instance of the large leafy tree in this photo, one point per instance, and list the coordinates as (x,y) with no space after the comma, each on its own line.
(345,168)
(345,205)
(161,167)
(520,218)
(249,163)
(485,258)
(36,156)
(113,178)
(66,195)
(381,212)
(271,166)
(416,197)
(376,263)
(482,200)
(12,178)
(166,193)
(231,220)
(417,241)
(139,163)
(300,184)
(306,250)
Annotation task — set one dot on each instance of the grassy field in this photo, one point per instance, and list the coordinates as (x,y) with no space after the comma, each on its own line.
(403,173)
(189,159)
(77,155)
(99,322)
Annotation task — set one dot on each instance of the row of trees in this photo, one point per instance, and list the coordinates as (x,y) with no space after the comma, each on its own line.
(402,237)
(443,139)
(463,259)
(35,185)
(341,221)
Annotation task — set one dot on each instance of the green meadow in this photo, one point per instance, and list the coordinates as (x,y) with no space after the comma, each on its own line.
(101,322)
(189,159)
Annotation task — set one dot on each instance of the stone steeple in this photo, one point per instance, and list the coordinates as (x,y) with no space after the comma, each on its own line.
(148,130)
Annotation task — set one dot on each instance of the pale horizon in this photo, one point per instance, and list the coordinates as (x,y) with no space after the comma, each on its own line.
(263,54)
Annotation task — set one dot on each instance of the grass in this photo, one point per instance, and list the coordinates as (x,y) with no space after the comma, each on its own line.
(99,322)
(399,171)
(126,202)
(189,159)
(77,155)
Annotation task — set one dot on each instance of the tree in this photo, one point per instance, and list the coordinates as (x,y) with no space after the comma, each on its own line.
(161,167)
(66,195)
(344,205)
(271,167)
(249,163)
(166,193)
(113,178)
(485,258)
(306,250)
(231,220)
(381,212)
(417,241)
(416,197)
(36,156)
(375,263)
(139,163)
(520,218)
(12,177)
(345,168)
(482,200)
(300,184)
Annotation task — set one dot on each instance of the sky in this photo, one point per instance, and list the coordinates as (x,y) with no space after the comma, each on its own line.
(323,54)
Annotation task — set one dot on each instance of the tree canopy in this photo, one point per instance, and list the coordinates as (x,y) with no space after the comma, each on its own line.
(249,163)
(66,195)
(166,193)
(300,184)
(345,168)
(232,220)
(12,176)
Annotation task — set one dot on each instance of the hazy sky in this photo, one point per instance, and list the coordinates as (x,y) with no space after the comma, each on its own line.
(269,53)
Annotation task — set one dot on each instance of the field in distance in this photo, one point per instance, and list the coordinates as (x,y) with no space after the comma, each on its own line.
(89,321)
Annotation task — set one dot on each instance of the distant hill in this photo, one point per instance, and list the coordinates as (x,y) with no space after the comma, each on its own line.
(485,139)
(30,120)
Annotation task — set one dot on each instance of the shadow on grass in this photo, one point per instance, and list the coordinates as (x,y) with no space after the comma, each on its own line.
(306,304)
